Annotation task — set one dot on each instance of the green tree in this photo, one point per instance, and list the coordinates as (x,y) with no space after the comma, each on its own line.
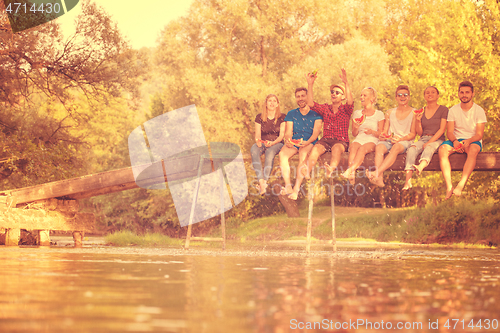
(442,43)
(44,128)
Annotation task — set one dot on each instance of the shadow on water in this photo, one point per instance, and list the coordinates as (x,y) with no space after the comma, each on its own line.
(164,290)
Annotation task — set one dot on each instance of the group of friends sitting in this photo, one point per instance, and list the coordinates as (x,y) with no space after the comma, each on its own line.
(388,135)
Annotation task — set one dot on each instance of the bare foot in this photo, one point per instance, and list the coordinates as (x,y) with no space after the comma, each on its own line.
(349,176)
(263,188)
(293,195)
(371,175)
(329,170)
(287,190)
(449,192)
(305,172)
(407,185)
(458,190)
(418,168)
(378,181)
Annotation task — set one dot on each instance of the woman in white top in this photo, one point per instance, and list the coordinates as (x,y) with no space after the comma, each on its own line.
(366,133)
(399,131)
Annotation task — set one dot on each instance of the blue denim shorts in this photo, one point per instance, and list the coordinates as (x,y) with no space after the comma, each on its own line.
(449,143)
(389,145)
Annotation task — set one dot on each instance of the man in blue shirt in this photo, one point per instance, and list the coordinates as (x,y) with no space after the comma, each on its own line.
(301,123)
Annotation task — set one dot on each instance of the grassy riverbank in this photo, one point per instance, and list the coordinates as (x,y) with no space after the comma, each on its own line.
(457,221)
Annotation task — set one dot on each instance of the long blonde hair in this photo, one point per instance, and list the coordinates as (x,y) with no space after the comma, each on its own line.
(277,114)
(374,94)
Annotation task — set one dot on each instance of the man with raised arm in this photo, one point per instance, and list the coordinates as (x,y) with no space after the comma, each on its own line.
(465,126)
(336,118)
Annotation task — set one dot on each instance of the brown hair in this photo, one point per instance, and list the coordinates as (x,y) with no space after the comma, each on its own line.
(300,89)
(277,114)
(402,87)
(466,84)
(433,88)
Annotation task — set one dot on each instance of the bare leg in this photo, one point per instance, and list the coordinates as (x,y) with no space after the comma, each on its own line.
(316,152)
(407,184)
(469,165)
(387,163)
(444,161)
(285,154)
(358,160)
(263,186)
(380,151)
(337,151)
(303,153)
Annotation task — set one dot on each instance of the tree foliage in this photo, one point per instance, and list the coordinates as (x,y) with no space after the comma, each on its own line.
(55,93)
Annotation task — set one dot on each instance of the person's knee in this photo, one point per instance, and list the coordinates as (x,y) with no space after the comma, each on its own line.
(365,150)
(380,150)
(473,150)
(443,151)
(397,149)
(255,150)
(338,149)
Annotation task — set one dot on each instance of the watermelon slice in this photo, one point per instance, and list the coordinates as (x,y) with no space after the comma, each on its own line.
(419,111)
(261,141)
(360,120)
(386,136)
(295,141)
(460,145)
(314,72)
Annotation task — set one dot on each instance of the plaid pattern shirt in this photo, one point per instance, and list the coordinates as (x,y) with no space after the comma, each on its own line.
(336,125)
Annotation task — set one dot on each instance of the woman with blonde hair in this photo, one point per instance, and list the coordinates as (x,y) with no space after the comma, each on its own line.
(269,133)
(367,125)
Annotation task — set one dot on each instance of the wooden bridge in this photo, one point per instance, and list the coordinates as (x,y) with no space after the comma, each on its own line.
(54,206)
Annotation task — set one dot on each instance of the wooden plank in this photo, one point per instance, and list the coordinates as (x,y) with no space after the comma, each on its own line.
(96,184)
(34,219)
(123,179)
(486,161)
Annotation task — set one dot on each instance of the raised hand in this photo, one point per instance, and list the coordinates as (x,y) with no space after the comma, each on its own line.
(311,78)
(343,75)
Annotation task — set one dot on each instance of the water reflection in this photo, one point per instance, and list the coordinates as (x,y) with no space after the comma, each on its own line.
(52,290)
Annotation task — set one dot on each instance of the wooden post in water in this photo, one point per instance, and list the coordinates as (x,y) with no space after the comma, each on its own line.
(78,238)
(12,237)
(309,215)
(193,204)
(222,215)
(44,237)
(332,203)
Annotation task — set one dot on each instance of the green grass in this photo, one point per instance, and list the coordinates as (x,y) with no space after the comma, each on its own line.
(128,238)
(457,223)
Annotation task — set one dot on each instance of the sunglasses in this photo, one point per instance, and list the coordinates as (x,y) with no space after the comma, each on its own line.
(401,95)
(336,92)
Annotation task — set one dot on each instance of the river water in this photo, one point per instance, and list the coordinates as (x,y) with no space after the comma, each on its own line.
(164,290)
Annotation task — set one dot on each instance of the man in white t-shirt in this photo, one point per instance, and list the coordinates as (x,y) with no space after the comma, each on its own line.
(465,131)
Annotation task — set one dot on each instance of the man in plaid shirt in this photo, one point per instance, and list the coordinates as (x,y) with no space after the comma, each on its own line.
(336,117)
